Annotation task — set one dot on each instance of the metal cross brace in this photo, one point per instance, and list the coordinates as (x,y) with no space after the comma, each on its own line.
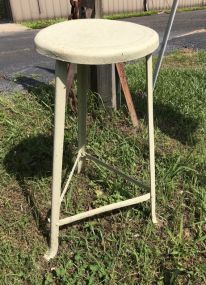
(106,208)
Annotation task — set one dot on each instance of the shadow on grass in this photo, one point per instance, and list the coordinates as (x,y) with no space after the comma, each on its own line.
(32,160)
(170,121)
(43,92)
(171,275)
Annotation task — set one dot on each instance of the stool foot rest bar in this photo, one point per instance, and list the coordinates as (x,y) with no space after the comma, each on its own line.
(114,206)
(107,208)
(104,209)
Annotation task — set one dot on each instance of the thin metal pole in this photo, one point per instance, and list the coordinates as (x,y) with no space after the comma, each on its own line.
(59,121)
(151,135)
(126,177)
(70,177)
(165,41)
(82,90)
(114,88)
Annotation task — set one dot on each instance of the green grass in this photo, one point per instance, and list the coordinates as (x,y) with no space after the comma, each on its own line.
(149,13)
(130,15)
(191,9)
(40,24)
(123,247)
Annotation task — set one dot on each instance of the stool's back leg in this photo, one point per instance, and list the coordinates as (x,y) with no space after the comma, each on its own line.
(151,134)
(82,90)
(60,101)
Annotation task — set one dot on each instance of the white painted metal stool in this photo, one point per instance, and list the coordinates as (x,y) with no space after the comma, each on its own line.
(93,42)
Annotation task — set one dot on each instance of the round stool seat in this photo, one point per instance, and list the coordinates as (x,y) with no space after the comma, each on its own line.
(96,41)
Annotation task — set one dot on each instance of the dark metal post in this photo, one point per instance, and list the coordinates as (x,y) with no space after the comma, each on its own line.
(145,5)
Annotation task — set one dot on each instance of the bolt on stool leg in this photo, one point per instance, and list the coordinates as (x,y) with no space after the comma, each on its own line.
(60,102)
(82,89)
(151,135)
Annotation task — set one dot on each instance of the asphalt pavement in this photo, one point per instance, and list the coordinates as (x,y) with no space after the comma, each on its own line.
(20,65)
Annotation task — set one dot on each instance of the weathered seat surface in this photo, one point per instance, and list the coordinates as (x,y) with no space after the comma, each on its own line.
(96,41)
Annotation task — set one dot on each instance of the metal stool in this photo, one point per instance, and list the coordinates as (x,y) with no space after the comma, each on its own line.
(93,42)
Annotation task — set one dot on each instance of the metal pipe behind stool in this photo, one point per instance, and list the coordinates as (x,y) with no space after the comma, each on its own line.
(165,41)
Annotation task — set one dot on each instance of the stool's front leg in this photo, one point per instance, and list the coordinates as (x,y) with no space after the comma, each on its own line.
(82,90)
(60,101)
(151,135)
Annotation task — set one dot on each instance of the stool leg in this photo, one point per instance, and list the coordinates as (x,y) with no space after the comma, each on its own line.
(151,134)
(82,89)
(60,101)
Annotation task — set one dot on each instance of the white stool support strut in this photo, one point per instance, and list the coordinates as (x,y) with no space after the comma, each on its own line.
(82,90)
(151,134)
(60,101)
